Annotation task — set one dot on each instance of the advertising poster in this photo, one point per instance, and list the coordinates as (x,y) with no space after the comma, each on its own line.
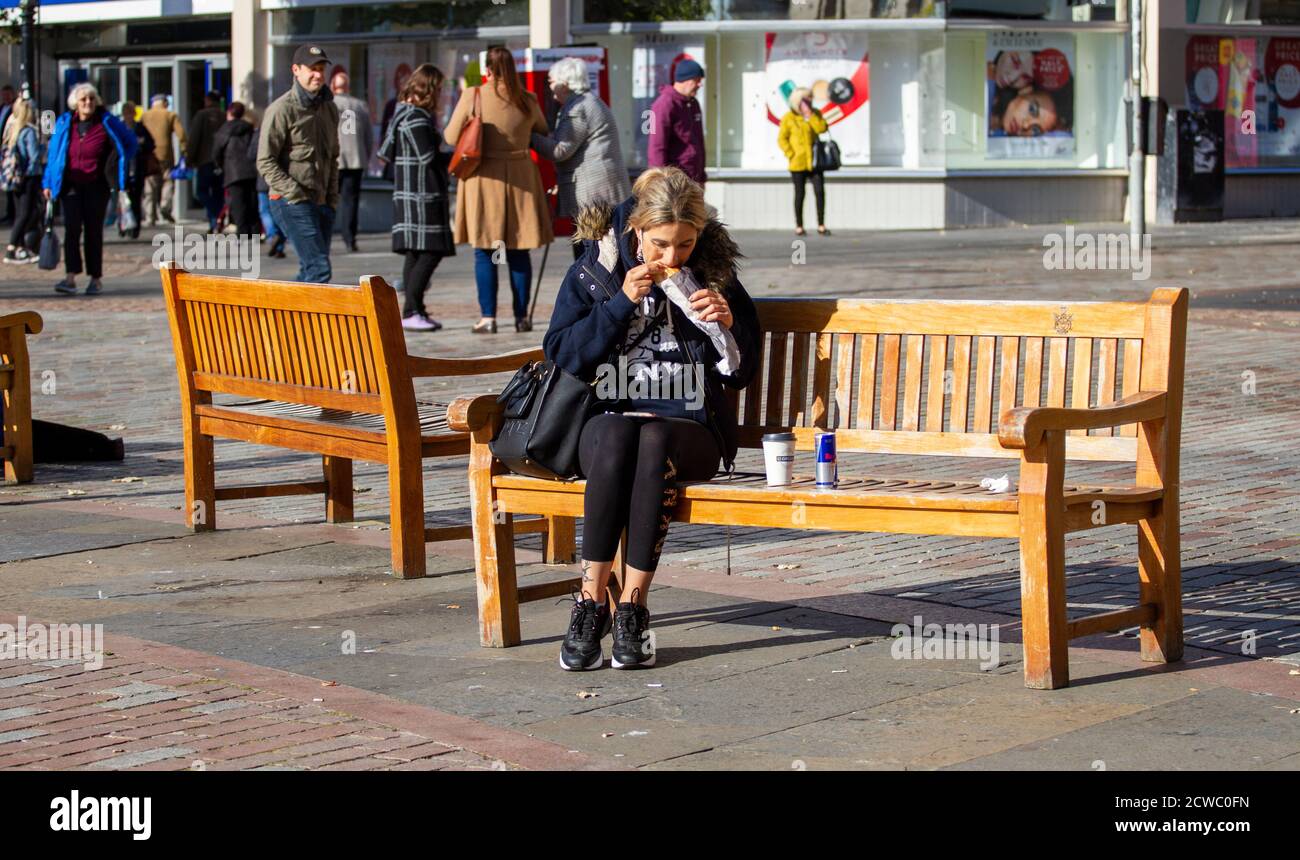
(834,67)
(1237,77)
(654,59)
(1030,95)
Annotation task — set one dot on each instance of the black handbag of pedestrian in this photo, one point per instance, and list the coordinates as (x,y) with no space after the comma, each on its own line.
(545,408)
(49,258)
(826,154)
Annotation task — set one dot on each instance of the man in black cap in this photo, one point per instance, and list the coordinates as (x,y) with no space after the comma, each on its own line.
(202,138)
(297,155)
(676,135)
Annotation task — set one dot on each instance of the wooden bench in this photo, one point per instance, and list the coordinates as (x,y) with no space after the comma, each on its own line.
(16,385)
(322,369)
(930,378)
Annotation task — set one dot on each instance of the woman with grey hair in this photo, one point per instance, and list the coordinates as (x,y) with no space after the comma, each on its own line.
(88,161)
(583,145)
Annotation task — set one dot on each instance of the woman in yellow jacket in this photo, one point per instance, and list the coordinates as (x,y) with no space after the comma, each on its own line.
(799,130)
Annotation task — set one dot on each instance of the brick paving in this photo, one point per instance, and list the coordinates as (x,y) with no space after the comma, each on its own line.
(109,359)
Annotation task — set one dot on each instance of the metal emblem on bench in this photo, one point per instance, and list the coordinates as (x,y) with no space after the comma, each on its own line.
(1064,321)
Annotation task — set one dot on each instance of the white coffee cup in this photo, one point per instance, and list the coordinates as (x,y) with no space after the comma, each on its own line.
(778,455)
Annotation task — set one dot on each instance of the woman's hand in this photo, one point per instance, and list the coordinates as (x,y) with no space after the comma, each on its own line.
(712,307)
(637,282)
(46,191)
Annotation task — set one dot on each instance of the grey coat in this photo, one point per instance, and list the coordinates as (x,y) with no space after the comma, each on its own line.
(588,159)
(354,133)
(421,215)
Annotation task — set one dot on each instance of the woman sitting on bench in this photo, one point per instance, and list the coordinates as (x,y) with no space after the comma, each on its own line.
(656,284)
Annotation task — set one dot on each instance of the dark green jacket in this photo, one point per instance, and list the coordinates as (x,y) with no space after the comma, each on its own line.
(298,151)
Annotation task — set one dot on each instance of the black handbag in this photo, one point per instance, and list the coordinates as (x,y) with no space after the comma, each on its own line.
(545,410)
(49,258)
(826,154)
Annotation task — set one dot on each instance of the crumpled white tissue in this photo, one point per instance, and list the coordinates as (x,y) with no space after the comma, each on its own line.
(996,485)
(679,288)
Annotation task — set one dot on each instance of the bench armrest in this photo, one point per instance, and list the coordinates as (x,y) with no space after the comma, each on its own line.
(467,414)
(1023,427)
(30,320)
(510,361)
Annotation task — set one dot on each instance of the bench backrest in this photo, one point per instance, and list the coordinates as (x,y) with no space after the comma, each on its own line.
(322,345)
(933,377)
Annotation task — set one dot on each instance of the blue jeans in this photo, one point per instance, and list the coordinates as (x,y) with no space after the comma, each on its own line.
(485,275)
(308,226)
(209,190)
(269,227)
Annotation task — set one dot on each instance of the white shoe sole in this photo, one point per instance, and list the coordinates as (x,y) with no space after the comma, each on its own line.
(596,664)
(644,664)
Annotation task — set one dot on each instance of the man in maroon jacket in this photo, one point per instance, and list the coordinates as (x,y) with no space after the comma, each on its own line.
(677,124)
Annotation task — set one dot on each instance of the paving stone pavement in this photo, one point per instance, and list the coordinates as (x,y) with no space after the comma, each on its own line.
(106,364)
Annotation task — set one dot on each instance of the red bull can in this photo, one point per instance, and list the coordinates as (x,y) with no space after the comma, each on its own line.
(827,468)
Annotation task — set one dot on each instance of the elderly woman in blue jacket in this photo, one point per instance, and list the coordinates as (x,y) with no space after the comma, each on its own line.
(89,159)
(655,302)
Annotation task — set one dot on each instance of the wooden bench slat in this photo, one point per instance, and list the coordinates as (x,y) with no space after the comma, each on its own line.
(822,380)
(754,393)
(844,345)
(938,381)
(1081,395)
(1056,371)
(1132,379)
(889,382)
(912,382)
(798,414)
(1033,387)
(1009,374)
(959,416)
(866,380)
(984,385)
(776,376)
(938,444)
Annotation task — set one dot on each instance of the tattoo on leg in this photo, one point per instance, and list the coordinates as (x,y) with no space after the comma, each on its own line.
(586,572)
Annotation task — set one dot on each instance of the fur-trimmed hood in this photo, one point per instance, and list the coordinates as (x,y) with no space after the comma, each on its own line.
(713,261)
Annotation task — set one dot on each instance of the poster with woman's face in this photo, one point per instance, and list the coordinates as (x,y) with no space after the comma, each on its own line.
(1030,95)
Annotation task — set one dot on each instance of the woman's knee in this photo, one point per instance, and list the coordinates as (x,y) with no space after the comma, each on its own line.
(607,443)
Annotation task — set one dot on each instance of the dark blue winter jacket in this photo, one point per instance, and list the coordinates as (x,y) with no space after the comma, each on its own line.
(592,313)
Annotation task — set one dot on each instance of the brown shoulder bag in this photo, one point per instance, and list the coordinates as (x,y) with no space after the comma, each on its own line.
(469,146)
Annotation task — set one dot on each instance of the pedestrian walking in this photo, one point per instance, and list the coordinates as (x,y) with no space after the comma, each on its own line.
(90,154)
(198,153)
(230,152)
(421,214)
(7,100)
(636,452)
(159,187)
(298,156)
(797,137)
(143,162)
(584,145)
(270,230)
(502,206)
(354,154)
(676,136)
(22,141)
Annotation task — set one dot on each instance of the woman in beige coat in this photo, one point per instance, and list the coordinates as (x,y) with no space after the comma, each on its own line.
(502,204)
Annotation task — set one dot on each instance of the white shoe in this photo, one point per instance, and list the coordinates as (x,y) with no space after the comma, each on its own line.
(420,322)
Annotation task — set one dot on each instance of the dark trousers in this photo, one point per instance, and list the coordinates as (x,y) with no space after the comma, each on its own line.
(243,207)
(84,207)
(800,178)
(135,193)
(209,191)
(417,269)
(349,203)
(632,467)
(309,227)
(485,276)
(27,214)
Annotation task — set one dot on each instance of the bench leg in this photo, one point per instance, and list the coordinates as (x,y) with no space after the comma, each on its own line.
(561,541)
(17,408)
(200,482)
(494,551)
(338,489)
(1042,564)
(1160,583)
(406,512)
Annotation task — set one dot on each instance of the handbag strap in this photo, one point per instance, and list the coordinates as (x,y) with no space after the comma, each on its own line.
(477,109)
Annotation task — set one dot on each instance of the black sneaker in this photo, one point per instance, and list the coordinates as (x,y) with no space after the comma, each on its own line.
(634,646)
(588,624)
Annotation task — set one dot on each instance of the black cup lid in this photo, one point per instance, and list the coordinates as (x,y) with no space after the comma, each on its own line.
(778,437)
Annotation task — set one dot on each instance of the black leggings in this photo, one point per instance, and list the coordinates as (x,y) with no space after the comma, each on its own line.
(818,178)
(28,209)
(632,466)
(417,269)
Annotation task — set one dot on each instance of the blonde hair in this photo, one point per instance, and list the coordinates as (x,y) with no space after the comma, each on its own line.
(666,195)
(75,95)
(21,115)
(797,96)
